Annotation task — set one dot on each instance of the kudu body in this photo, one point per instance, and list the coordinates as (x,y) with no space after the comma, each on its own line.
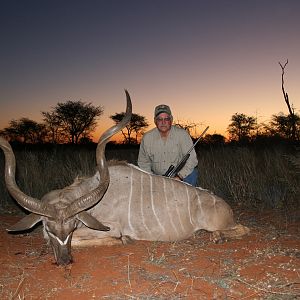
(142,206)
(119,203)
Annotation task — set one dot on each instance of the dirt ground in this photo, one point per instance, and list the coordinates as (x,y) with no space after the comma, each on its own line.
(263,265)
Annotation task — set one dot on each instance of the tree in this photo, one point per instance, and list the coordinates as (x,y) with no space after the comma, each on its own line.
(292,116)
(75,119)
(241,127)
(25,130)
(55,128)
(136,125)
(287,126)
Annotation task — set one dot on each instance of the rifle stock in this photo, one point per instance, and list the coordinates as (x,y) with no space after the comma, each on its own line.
(169,171)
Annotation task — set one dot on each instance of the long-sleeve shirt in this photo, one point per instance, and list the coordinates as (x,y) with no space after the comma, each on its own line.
(157,154)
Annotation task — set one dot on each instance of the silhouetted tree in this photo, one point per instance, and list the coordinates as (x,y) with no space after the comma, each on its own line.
(241,127)
(136,125)
(286,126)
(26,131)
(292,122)
(55,128)
(75,119)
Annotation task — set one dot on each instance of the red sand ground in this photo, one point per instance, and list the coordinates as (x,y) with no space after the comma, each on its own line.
(262,265)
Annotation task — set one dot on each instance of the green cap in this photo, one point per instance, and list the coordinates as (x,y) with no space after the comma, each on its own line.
(162,108)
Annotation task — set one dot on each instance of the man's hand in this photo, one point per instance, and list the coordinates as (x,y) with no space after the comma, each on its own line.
(178,177)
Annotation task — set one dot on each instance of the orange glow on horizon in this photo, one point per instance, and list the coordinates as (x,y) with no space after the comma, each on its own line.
(208,64)
(118,138)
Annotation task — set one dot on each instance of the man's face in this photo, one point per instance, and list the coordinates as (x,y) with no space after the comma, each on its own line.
(163,122)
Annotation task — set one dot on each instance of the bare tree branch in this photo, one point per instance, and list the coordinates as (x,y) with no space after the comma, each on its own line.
(286,99)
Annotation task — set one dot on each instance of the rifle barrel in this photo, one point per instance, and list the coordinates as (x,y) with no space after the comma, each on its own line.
(172,171)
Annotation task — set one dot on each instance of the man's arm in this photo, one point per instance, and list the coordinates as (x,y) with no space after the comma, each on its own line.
(192,162)
(144,161)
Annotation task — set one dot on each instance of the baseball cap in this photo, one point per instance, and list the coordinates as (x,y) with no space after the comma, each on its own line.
(162,108)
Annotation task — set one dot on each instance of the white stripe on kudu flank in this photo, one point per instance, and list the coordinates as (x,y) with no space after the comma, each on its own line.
(215,201)
(189,204)
(168,208)
(200,204)
(130,200)
(177,210)
(202,217)
(142,204)
(152,205)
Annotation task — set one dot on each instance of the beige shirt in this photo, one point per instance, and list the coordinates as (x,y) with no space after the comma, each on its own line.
(157,154)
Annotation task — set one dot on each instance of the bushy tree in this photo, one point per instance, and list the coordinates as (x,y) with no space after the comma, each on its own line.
(25,130)
(286,126)
(55,128)
(72,120)
(136,126)
(241,127)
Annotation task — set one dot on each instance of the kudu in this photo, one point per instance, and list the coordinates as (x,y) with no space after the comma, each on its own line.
(129,203)
(62,210)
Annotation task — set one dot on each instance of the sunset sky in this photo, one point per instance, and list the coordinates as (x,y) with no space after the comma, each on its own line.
(206,59)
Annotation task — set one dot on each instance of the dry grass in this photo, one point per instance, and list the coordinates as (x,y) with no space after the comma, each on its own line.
(261,178)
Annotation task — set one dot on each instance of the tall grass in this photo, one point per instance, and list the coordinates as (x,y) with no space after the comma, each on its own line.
(41,169)
(262,178)
(247,176)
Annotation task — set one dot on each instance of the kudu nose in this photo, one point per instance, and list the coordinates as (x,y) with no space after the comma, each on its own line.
(64,260)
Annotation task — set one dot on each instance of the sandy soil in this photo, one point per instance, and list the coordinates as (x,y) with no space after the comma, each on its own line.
(262,265)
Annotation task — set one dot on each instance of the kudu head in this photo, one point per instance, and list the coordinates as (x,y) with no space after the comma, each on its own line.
(60,217)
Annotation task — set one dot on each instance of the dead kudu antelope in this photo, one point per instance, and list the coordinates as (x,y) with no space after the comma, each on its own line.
(134,205)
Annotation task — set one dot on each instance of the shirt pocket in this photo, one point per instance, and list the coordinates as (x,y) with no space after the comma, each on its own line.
(170,156)
(173,155)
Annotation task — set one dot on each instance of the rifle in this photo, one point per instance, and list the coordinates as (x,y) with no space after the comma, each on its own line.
(172,171)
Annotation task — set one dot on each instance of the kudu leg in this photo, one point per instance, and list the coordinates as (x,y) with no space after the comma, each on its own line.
(85,236)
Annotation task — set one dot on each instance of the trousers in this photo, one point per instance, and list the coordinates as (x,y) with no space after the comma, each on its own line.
(192,178)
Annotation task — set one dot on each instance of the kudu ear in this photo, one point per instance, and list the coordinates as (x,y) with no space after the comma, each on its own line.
(91,222)
(26,223)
